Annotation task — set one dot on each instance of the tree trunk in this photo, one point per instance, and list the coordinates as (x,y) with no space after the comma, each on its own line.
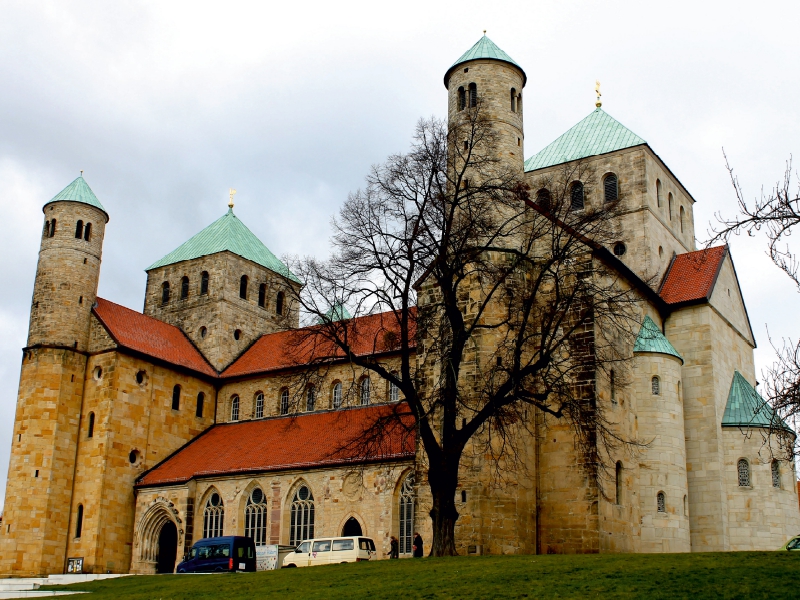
(443,512)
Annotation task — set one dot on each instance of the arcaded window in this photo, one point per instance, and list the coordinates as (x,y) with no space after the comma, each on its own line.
(235,408)
(255,517)
(682,214)
(90,432)
(284,402)
(262,295)
(337,395)
(365,391)
(87,232)
(184,288)
(618,483)
(613,384)
(462,98)
(213,516)
(661,502)
(52,228)
(776,474)
(576,196)
(201,400)
(243,287)
(610,188)
(406,514)
(743,469)
(204,283)
(655,385)
(176,397)
(165,292)
(79,230)
(543,199)
(658,193)
(279,304)
(79,521)
(46,231)
(473,95)
(301,526)
(513,100)
(669,205)
(311,398)
(259,405)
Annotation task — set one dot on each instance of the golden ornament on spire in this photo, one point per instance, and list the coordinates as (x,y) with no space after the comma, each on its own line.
(598,104)
(231,193)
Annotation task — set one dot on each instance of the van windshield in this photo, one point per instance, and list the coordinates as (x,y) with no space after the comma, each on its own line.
(343,545)
(303,547)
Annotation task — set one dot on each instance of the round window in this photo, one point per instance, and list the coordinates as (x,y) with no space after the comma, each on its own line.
(98,373)
(619,249)
(257,496)
(133,457)
(302,493)
(215,499)
(237,334)
(140,377)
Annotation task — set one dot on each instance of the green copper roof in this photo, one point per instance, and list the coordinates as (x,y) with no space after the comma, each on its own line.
(79,191)
(650,339)
(746,407)
(337,312)
(484,48)
(226,233)
(598,133)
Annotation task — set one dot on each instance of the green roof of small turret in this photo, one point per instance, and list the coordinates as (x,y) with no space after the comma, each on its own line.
(226,233)
(337,312)
(746,407)
(482,49)
(78,191)
(650,339)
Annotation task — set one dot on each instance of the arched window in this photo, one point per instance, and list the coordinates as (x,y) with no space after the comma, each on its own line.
(79,230)
(90,432)
(262,295)
(279,304)
(52,228)
(658,193)
(184,288)
(669,205)
(473,95)
(610,188)
(743,468)
(685,505)
(776,474)
(513,100)
(519,103)
(462,98)
(176,397)
(201,398)
(87,232)
(655,385)
(576,196)
(337,395)
(259,405)
(284,402)
(79,521)
(394,391)
(406,513)
(235,408)
(46,232)
(613,384)
(301,526)
(618,483)
(661,502)
(365,390)
(682,214)
(213,516)
(243,287)
(204,283)
(255,517)
(543,199)
(165,292)
(311,398)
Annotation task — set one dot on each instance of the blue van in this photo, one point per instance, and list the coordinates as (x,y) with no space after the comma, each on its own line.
(220,554)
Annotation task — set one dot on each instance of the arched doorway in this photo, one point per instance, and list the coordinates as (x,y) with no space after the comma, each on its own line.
(167,548)
(351,527)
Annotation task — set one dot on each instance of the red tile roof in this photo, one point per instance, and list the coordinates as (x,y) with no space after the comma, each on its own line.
(281,443)
(372,334)
(691,276)
(149,336)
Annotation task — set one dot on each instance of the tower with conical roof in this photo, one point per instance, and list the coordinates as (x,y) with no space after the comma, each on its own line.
(36,518)
(487,79)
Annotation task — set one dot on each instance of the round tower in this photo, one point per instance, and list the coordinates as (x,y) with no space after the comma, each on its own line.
(488,78)
(69,268)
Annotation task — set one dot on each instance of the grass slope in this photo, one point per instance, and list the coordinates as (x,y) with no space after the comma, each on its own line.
(748,575)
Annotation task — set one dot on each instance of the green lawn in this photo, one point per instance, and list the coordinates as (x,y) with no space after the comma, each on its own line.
(718,575)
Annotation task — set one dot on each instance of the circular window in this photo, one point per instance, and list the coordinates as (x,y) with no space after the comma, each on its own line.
(133,457)
(257,496)
(203,332)
(215,499)
(237,334)
(619,248)
(302,493)
(98,373)
(140,377)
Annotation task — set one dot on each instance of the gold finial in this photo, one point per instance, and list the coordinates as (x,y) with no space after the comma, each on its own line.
(81,172)
(231,193)
(598,104)
(484,32)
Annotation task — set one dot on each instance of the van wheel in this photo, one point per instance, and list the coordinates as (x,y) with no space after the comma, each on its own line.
(344,562)
(290,566)
(182,571)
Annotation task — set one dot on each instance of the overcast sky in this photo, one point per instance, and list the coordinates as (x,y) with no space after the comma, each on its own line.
(166,105)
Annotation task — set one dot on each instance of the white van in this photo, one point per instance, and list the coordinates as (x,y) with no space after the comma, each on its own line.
(327,551)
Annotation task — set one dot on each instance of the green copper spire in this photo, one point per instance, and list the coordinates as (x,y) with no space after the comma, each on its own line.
(746,407)
(79,191)
(226,233)
(599,133)
(335,313)
(484,48)
(650,339)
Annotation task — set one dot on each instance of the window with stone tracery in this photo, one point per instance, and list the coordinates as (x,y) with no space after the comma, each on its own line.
(213,516)
(655,385)
(743,470)
(255,517)
(301,526)
(661,502)
(406,513)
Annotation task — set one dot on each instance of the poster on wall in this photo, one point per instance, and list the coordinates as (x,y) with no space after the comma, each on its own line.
(75,565)
(267,557)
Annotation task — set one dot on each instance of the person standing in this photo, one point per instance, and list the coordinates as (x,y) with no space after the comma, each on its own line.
(417,545)
(394,550)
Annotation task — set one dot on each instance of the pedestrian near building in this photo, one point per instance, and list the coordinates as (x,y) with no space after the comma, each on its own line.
(394,550)
(417,545)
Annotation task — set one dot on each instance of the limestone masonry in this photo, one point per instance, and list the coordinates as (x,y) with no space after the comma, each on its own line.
(137,434)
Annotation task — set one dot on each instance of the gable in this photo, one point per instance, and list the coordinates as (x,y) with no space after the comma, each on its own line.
(727,298)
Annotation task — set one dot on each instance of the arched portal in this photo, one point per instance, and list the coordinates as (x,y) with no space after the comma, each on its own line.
(351,527)
(167,548)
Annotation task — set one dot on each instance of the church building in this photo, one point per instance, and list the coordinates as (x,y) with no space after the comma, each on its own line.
(139,433)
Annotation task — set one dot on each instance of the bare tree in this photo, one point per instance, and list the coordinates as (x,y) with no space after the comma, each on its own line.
(492,302)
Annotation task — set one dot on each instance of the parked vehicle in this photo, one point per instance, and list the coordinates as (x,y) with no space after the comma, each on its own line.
(326,551)
(220,554)
(792,544)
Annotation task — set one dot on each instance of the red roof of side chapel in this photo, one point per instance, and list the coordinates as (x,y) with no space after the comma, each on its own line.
(293,442)
(691,276)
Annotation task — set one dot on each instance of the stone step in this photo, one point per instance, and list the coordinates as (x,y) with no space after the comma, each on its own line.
(7,585)
(34,594)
